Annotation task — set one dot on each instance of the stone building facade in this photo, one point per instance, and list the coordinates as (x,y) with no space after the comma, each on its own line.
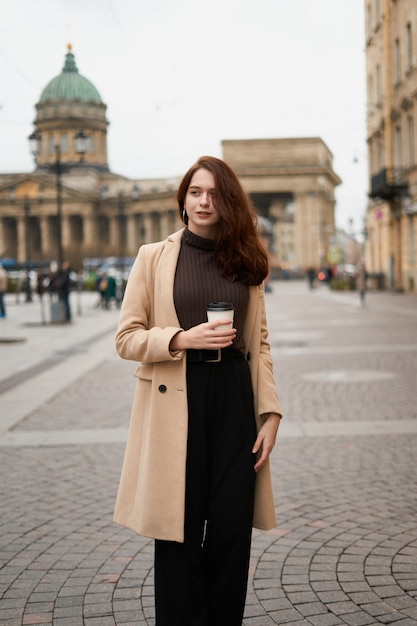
(72,206)
(291,183)
(391,61)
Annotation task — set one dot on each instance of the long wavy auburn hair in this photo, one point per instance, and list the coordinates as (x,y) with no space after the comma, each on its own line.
(240,255)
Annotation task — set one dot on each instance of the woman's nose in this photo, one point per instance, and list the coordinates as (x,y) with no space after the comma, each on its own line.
(205,199)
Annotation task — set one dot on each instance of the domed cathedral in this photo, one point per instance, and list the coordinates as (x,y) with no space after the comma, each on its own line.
(69,107)
(72,207)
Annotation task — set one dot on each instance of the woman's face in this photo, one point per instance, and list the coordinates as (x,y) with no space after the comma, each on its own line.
(203,217)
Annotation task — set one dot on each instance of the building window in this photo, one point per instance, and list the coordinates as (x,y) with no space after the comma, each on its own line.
(409,47)
(377,12)
(373,155)
(373,164)
(64,144)
(378,84)
(51,144)
(368,21)
(397,62)
(410,140)
(381,152)
(397,147)
(370,92)
(12,194)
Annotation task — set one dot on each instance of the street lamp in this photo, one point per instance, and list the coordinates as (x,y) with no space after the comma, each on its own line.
(81,142)
(81,146)
(35,144)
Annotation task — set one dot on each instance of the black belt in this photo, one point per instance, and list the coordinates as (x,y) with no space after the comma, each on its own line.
(213,356)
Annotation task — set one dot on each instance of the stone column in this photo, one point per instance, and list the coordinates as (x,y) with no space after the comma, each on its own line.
(3,245)
(46,246)
(156,227)
(164,225)
(66,233)
(21,239)
(90,231)
(147,221)
(114,233)
(132,235)
(307,230)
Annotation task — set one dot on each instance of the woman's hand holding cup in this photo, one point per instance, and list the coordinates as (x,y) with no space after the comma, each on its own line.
(215,334)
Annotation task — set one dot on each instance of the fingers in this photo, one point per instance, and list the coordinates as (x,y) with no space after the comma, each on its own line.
(218,336)
(259,464)
(206,336)
(263,445)
(265,452)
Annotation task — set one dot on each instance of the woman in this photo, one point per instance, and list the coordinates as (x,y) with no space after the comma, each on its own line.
(196,470)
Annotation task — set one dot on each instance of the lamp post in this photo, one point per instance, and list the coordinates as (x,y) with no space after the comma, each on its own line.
(58,172)
(35,146)
(28,286)
(122,231)
(81,145)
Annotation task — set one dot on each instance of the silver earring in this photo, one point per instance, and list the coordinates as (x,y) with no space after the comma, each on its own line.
(184,215)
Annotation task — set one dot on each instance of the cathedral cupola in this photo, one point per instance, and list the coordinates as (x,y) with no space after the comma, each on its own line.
(70,103)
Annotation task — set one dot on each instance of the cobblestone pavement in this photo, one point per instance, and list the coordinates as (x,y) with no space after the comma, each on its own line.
(345,470)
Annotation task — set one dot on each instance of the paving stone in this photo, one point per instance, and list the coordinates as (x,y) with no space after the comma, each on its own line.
(358,618)
(328,619)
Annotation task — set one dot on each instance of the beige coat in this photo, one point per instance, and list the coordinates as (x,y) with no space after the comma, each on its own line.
(152,487)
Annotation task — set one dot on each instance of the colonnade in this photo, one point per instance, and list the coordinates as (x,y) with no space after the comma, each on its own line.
(99,234)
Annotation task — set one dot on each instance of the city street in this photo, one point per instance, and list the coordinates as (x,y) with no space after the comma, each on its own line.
(344,550)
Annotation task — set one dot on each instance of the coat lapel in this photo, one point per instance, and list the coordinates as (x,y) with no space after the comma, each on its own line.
(164,292)
(164,281)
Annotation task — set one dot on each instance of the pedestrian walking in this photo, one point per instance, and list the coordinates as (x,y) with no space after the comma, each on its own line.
(3,290)
(206,412)
(360,280)
(311,274)
(63,287)
(102,284)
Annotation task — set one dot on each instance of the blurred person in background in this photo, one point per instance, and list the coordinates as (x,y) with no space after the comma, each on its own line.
(63,281)
(360,280)
(3,290)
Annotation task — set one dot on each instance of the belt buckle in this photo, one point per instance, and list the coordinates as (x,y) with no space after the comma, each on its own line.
(219,357)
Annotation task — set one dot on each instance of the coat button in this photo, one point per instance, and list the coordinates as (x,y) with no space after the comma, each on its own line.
(162,388)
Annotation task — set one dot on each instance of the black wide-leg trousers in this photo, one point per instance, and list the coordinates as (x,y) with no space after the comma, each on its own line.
(203,581)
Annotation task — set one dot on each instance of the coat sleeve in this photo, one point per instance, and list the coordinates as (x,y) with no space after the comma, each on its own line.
(137,337)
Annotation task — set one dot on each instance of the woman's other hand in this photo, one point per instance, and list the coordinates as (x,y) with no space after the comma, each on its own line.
(266,439)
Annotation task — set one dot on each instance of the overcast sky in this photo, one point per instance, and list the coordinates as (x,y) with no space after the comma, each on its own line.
(179,76)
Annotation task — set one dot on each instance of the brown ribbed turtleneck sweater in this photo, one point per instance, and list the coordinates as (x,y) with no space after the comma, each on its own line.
(198,282)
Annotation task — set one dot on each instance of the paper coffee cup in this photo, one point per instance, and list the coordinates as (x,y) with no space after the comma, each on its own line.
(220,311)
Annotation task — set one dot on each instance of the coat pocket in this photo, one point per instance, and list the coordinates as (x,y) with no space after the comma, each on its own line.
(144,371)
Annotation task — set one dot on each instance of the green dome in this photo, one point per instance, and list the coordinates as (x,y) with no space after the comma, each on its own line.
(70,85)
